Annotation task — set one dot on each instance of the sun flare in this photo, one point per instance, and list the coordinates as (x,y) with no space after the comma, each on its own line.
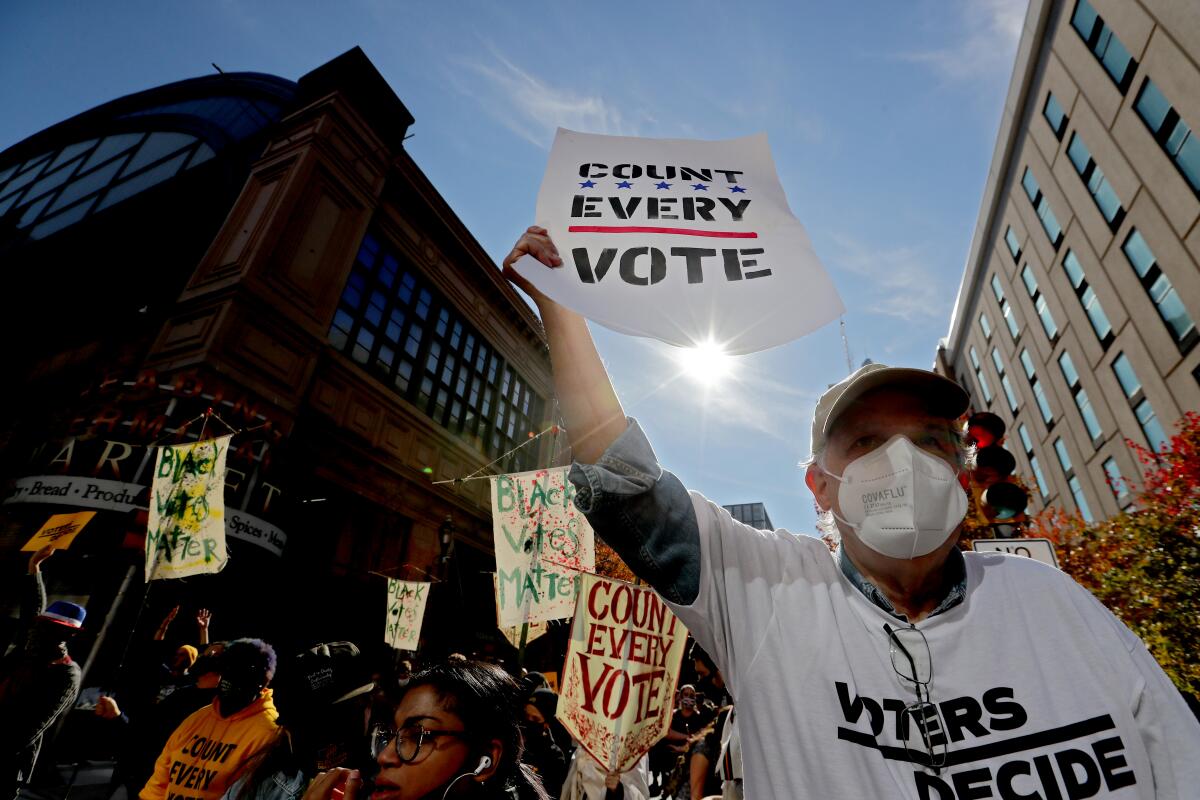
(705,363)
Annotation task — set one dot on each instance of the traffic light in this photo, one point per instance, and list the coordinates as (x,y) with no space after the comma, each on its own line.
(1000,500)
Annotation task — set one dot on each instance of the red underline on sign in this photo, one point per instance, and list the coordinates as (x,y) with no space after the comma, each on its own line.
(676,231)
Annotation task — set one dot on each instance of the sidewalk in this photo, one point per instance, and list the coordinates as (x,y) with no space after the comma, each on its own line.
(87,781)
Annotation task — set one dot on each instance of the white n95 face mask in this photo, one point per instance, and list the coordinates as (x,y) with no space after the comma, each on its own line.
(901,501)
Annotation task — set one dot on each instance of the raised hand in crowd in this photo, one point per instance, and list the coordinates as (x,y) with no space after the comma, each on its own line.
(161,633)
(35,560)
(203,618)
(107,708)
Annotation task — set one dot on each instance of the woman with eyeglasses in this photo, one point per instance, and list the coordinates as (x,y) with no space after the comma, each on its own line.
(455,733)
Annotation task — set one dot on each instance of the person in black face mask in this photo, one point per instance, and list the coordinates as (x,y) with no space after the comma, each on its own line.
(218,741)
(146,730)
(37,682)
(325,695)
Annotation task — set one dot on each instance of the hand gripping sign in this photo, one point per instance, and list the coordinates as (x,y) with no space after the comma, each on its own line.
(623,660)
(685,241)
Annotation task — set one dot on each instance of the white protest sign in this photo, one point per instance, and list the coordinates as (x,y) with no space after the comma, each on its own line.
(405,612)
(622,666)
(542,543)
(686,241)
(186,530)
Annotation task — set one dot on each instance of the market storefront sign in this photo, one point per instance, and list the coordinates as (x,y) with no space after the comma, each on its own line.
(249,528)
(72,490)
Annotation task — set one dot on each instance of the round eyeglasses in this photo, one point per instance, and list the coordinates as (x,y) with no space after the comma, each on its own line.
(409,740)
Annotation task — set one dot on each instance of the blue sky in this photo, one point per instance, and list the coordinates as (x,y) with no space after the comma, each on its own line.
(882,117)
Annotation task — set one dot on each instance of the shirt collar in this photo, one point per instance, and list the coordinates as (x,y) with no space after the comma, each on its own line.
(958,589)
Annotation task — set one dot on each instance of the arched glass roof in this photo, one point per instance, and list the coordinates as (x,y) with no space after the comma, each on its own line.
(125,147)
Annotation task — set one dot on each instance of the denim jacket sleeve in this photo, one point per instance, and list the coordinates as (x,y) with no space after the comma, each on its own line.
(644,513)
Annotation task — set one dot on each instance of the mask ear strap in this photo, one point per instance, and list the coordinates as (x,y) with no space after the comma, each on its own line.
(843,520)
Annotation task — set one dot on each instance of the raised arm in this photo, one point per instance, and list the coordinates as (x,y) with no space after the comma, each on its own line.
(639,509)
(589,405)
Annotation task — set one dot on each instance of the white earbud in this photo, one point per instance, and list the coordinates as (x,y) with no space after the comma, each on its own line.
(484,763)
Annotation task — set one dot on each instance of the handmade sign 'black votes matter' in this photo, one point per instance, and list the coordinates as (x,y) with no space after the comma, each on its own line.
(686,241)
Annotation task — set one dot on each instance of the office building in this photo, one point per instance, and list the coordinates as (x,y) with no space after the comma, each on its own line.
(1076,318)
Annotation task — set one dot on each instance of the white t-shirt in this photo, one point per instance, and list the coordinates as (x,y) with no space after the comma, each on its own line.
(1043,693)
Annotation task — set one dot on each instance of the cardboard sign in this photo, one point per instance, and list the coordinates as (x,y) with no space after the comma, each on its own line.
(622,666)
(685,241)
(405,612)
(542,544)
(59,531)
(186,531)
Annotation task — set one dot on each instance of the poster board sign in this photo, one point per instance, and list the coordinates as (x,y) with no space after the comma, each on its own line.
(59,531)
(186,531)
(690,242)
(542,543)
(405,612)
(1038,549)
(622,666)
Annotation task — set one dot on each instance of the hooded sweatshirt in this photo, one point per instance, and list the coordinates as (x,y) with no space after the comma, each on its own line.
(205,753)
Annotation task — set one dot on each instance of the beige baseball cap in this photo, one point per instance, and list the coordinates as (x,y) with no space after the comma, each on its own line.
(946,398)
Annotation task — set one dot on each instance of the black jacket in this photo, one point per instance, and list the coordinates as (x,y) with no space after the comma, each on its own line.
(35,688)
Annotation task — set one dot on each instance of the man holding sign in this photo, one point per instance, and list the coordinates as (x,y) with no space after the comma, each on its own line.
(899,668)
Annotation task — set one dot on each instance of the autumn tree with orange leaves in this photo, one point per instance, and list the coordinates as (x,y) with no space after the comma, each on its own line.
(1144,563)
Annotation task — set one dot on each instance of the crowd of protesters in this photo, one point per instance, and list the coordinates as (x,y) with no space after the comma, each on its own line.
(232,720)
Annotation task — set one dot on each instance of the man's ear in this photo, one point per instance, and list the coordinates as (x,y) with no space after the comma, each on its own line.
(820,485)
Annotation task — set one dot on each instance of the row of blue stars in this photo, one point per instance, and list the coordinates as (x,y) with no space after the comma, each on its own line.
(696,187)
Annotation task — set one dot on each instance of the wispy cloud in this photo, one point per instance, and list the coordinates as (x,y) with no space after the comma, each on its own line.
(530,106)
(895,282)
(984,40)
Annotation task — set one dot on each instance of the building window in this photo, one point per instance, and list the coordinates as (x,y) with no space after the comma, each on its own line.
(979,376)
(47,193)
(1027,443)
(1156,437)
(1081,399)
(985,325)
(1004,382)
(1097,185)
(1173,135)
(1161,292)
(1072,480)
(1014,247)
(396,325)
(1087,299)
(1042,207)
(1010,319)
(1104,44)
(1054,114)
(1120,488)
(1039,393)
(1039,304)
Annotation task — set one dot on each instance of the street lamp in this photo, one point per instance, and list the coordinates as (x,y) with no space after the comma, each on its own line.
(446,539)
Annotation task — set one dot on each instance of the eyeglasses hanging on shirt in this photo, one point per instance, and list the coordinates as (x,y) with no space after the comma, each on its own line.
(922,729)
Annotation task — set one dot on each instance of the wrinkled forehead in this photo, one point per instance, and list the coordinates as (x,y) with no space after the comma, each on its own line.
(886,411)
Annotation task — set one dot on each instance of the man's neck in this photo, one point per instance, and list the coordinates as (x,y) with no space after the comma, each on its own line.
(914,587)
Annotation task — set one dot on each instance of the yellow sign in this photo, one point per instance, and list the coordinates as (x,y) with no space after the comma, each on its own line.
(59,531)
